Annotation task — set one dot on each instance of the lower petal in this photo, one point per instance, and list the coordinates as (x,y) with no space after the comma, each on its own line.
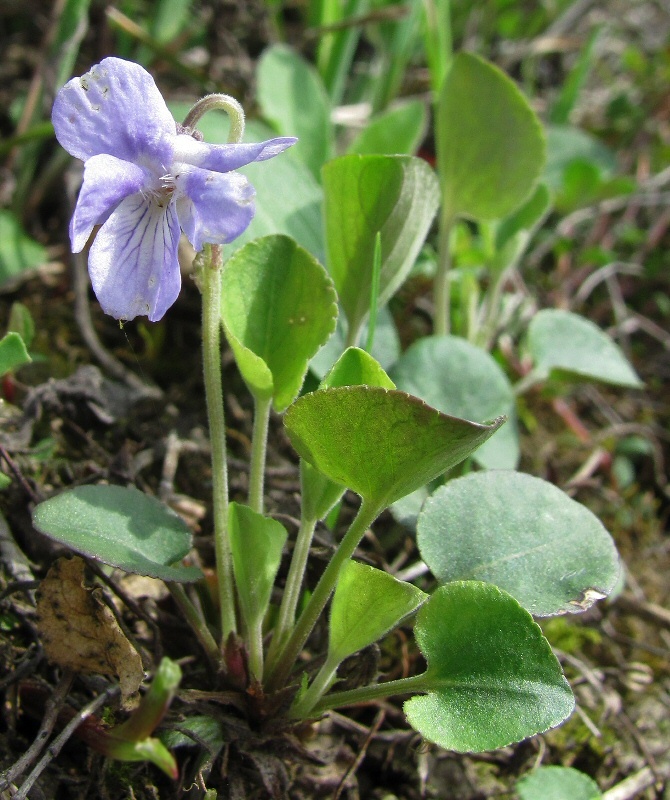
(107,181)
(213,207)
(133,261)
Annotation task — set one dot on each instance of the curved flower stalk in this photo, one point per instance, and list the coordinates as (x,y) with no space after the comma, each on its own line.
(145,179)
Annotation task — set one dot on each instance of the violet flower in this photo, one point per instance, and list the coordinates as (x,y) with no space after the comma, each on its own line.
(145,178)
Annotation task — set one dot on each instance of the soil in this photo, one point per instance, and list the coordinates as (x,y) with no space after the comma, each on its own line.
(68,420)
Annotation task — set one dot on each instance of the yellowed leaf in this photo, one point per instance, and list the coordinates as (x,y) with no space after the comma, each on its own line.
(79,631)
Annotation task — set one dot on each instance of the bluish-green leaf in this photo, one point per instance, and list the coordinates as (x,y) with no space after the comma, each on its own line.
(256,543)
(492,678)
(524,535)
(490,144)
(367,604)
(278,307)
(381,443)
(557,783)
(462,380)
(121,527)
(396,196)
(563,344)
(293,98)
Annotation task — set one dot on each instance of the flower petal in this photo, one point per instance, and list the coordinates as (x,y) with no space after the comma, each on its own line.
(114,108)
(226,157)
(213,207)
(133,261)
(107,180)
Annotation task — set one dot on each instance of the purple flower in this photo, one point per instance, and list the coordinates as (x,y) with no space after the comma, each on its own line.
(145,178)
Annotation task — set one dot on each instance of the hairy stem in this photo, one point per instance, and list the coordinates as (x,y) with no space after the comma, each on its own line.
(375,691)
(211,352)
(259,441)
(442,295)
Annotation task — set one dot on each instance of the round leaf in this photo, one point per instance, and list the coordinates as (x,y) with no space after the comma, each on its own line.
(367,604)
(397,130)
(524,535)
(558,783)
(448,373)
(564,343)
(492,678)
(396,196)
(278,307)
(382,444)
(490,144)
(119,526)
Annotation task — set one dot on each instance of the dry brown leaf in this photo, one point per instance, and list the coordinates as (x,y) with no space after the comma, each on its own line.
(79,631)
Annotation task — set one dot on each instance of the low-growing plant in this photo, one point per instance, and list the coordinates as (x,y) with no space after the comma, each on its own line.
(502,546)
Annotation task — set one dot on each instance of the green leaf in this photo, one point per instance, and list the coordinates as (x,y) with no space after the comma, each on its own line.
(385,347)
(524,535)
(492,678)
(449,373)
(563,344)
(367,604)
(288,86)
(278,307)
(21,322)
(557,783)
(490,144)
(394,195)
(355,367)
(18,252)
(256,543)
(120,527)
(382,444)
(399,130)
(13,353)
(525,219)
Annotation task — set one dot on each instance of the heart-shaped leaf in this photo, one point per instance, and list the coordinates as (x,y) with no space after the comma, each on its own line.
(490,144)
(396,196)
(367,604)
(558,783)
(457,378)
(522,534)
(562,343)
(382,444)
(492,678)
(256,543)
(287,85)
(121,527)
(278,307)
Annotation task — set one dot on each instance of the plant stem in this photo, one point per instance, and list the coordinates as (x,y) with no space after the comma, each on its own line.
(197,623)
(211,352)
(322,681)
(291,593)
(255,643)
(367,513)
(417,683)
(259,441)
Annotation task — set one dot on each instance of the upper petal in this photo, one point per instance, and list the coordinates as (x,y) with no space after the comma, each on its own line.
(107,180)
(213,207)
(226,157)
(133,261)
(114,108)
